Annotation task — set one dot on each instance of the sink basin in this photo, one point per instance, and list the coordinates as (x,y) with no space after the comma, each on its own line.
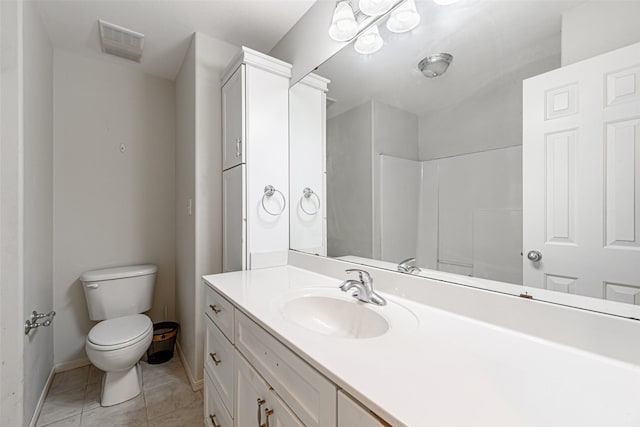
(335,316)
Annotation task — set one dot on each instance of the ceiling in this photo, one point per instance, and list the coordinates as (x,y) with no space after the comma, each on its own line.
(168,25)
(489,39)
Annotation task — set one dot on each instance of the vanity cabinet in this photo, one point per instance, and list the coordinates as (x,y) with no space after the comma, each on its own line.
(249,372)
(351,414)
(255,153)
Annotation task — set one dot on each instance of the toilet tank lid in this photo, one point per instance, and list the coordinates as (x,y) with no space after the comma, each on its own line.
(118,272)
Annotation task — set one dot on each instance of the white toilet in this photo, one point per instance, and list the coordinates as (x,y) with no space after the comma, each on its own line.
(117,296)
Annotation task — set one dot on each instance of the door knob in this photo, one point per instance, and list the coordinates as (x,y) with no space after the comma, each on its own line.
(534,256)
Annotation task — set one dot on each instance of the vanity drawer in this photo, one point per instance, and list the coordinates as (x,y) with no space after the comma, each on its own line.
(256,401)
(309,394)
(215,413)
(220,311)
(219,363)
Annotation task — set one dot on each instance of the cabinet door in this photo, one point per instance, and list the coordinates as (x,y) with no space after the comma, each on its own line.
(351,414)
(233,219)
(233,120)
(255,401)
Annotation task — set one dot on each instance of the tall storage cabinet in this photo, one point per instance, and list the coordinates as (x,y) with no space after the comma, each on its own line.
(307,169)
(255,114)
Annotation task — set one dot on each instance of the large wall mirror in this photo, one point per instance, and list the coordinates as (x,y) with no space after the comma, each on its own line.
(497,144)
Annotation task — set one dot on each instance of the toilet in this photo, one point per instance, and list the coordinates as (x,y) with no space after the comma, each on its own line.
(116,297)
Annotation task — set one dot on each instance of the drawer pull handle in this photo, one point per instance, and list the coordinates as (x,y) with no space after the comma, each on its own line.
(260,403)
(267,412)
(213,420)
(215,359)
(215,308)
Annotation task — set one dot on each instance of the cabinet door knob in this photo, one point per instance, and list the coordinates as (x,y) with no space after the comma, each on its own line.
(215,359)
(212,417)
(215,308)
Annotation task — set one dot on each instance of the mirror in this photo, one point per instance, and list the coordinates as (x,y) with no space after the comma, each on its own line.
(507,171)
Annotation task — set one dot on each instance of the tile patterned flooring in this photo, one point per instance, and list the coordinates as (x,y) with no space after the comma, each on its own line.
(166,400)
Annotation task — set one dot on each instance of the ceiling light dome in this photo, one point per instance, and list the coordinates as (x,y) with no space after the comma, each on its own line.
(369,42)
(435,65)
(404,18)
(375,7)
(343,25)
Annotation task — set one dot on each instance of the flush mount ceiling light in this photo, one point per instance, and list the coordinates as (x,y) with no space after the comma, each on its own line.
(375,7)
(404,18)
(369,42)
(343,25)
(445,2)
(435,65)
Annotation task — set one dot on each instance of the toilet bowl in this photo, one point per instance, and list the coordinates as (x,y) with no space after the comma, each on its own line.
(115,298)
(115,346)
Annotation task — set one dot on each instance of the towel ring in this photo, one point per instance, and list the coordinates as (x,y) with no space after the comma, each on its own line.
(269,191)
(307,193)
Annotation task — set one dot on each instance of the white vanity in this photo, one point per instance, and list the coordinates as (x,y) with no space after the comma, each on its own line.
(287,344)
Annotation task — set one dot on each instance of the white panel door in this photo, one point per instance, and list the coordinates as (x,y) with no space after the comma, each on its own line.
(234,222)
(581,169)
(233,101)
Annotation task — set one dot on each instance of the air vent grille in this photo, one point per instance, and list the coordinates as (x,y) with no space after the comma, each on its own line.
(121,41)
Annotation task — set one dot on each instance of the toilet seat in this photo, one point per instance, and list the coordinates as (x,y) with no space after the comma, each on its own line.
(120,332)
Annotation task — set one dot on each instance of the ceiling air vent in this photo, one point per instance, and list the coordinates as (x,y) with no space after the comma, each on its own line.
(120,41)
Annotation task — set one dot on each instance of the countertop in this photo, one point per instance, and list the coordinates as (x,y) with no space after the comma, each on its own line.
(445,369)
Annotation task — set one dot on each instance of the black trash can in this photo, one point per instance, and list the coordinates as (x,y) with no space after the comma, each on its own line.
(163,343)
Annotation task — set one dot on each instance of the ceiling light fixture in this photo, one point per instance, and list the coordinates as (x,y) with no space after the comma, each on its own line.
(369,42)
(343,25)
(445,2)
(404,18)
(435,65)
(375,7)
(363,23)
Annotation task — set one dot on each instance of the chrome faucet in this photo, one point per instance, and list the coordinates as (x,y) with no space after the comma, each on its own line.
(364,287)
(408,266)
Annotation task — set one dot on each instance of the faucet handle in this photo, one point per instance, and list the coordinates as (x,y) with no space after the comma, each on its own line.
(364,275)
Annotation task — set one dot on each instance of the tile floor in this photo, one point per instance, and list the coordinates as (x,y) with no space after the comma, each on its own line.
(166,400)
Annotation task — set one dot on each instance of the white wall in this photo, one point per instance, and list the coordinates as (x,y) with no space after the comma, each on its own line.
(11,220)
(395,134)
(38,202)
(198,166)
(597,27)
(309,31)
(489,119)
(185,191)
(349,183)
(110,207)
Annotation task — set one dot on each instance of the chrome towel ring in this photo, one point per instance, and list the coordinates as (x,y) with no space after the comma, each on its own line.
(307,193)
(270,191)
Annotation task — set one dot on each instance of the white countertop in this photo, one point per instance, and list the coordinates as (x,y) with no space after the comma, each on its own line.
(446,369)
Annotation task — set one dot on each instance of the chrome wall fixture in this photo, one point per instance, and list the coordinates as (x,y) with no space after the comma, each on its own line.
(362,23)
(34,321)
(270,191)
(307,194)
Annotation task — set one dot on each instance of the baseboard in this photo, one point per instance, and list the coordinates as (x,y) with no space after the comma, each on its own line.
(71,364)
(43,396)
(195,384)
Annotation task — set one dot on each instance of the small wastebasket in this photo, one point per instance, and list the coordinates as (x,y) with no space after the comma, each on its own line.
(163,343)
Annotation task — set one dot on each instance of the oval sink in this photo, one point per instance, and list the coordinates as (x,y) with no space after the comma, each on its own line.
(335,317)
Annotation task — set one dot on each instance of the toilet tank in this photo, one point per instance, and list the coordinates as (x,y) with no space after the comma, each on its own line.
(119,291)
